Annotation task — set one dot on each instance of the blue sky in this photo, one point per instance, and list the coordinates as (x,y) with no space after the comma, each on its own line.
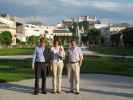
(53,11)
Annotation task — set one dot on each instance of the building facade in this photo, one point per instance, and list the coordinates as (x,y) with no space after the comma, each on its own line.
(12,24)
(116,28)
(8,25)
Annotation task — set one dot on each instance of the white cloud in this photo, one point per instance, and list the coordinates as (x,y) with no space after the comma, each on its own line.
(58,9)
(113,6)
(110,6)
(42,19)
(27,2)
(105,5)
(72,2)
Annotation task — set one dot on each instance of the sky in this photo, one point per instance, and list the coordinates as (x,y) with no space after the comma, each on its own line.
(54,11)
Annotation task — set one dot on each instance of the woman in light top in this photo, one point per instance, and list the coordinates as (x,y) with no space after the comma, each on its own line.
(57,56)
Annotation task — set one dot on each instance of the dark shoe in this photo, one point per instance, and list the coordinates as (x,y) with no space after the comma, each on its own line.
(77,93)
(36,93)
(71,91)
(54,92)
(59,92)
(44,92)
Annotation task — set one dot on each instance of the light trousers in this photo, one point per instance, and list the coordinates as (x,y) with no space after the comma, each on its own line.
(57,69)
(74,76)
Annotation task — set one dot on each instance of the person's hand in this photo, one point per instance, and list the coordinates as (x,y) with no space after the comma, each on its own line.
(60,49)
(51,69)
(51,66)
(80,63)
(33,66)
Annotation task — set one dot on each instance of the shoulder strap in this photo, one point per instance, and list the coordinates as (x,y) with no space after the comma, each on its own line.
(46,54)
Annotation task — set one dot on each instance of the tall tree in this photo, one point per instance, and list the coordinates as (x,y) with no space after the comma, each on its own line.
(73,29)
(5,38)
(94,36)
(115,39)
(33,40)
(128,36)
(85,26)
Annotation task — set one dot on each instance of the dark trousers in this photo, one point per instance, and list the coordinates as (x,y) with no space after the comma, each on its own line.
(40,70)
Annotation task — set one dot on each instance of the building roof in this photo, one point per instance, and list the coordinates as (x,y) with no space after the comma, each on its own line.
(120,25)
(61,31)
(36,23)
(68,20)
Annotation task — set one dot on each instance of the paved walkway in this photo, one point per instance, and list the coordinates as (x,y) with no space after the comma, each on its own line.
(91,53)
(93,87)
(16,57)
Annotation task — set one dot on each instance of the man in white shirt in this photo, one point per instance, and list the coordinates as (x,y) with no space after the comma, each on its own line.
(75,58)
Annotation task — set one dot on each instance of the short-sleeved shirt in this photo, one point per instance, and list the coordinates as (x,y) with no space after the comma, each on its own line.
(74,54)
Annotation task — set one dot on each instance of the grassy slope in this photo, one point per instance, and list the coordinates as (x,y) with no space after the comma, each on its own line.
(108,66)
(16,51)
(14,70)
(114,50)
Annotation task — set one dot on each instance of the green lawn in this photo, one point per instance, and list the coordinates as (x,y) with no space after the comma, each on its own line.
(114,50)
(16,51)
(105,65)
(104,50)
(14,70)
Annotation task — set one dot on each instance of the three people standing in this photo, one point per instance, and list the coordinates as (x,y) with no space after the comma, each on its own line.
(43,56)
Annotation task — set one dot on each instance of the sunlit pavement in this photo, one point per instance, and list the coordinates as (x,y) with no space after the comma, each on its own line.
(90,53)
(16,57)
(93,87)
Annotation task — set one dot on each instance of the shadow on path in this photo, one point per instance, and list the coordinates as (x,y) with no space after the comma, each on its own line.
(16,87)
(103,92)
(121,94)
(84,89)
(19,88)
